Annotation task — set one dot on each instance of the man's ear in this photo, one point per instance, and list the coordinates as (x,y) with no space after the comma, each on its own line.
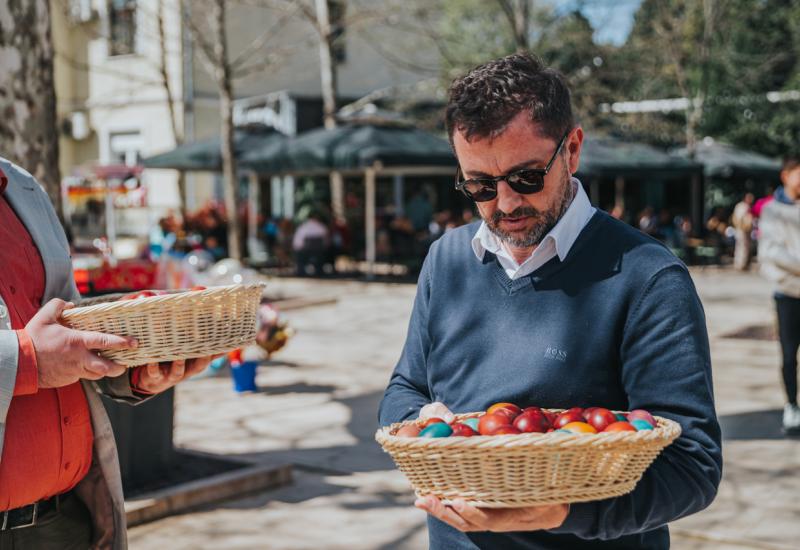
(574,146)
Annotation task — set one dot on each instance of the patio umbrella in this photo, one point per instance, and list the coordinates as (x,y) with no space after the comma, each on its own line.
(206,156)
(368,148)
(724,161)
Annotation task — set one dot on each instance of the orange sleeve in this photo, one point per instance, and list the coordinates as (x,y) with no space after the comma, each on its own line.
(27,370)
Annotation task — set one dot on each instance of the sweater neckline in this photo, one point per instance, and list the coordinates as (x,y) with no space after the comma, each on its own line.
(554,265)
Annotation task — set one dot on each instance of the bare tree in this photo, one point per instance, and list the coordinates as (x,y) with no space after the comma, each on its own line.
(212,44)
(518,13)
(28,133)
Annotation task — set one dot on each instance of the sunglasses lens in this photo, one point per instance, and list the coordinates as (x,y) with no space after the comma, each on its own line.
(526,182)
(479,191)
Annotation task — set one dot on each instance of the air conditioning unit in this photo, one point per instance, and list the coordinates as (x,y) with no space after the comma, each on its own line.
(82,11)
(76,126)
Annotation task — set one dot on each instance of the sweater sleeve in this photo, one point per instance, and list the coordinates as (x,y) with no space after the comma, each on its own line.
(772,247)
(666,369)
(408,389)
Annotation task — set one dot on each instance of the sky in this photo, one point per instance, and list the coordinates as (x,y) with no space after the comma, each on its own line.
(611,19)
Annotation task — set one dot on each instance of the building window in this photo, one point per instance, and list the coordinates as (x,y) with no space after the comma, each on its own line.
(122,27)
(336,13)
(125,148)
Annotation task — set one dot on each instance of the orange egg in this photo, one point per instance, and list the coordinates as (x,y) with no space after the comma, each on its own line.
(509,409)
(579,428)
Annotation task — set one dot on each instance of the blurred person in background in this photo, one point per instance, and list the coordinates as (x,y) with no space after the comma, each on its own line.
(742,222)
(311,244)
(779,256)
(60,484)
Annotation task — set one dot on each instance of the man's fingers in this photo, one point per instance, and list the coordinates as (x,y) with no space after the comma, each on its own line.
(177,370)
(154,372)
(52,310)
(101,340)
(196,366)
(99,367)
(434,507)
(479,518)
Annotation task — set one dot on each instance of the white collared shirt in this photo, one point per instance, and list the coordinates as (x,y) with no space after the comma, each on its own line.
(556,243)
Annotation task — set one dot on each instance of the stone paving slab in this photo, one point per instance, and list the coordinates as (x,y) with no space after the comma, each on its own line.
(318,411)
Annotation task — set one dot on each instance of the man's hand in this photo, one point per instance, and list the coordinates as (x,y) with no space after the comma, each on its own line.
(157,377)
(436,410)
(64,355)
(466,517)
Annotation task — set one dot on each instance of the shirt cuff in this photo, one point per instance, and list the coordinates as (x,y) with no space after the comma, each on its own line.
(27,370)
(580,516)
(136,375)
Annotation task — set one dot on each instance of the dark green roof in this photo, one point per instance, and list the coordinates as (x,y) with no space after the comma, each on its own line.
(352,147)
(610,157)
(721,160)
(206,155)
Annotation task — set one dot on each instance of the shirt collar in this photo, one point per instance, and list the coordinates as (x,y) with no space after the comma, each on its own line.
(564,233)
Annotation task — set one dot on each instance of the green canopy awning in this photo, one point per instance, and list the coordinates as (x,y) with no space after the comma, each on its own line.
(610,157)
(351,147)
(724,161)
(206,156)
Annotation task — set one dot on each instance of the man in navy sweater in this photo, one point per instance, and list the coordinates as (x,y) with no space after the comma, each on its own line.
(550,302)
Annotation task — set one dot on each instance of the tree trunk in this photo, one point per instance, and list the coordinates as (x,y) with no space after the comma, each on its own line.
(28,129)
(177,135)
(522,15)
(327,64)
(230,182)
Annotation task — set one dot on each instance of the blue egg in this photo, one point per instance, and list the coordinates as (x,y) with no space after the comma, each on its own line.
(472,423)
(640,424)
(621,417)
(440,429)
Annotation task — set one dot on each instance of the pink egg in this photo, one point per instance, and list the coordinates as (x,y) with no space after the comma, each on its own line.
(642,414)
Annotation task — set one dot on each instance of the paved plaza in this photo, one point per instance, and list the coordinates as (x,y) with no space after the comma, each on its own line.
(317,410)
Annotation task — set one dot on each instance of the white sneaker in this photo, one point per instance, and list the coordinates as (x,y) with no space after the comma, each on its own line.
(791,417)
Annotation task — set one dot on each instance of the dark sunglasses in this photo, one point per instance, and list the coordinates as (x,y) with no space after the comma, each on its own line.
(525,182)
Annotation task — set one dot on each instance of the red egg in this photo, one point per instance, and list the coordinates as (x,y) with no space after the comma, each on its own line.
(432,420)
(506,430)
(551,416)
(620,426)
(588,412)
(566,417)
(412,430)
(490,422)
(462,430)
(532,421)
(504,408)
(600,418)
(533,409)
(641,414)
(579,427)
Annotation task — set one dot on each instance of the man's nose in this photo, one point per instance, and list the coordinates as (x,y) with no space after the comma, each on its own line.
(508,199)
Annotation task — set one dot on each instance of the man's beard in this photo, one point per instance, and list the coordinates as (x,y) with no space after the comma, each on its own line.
(543,221)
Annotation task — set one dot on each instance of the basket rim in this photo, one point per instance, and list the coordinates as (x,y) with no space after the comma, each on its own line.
(663,434)
(181,295)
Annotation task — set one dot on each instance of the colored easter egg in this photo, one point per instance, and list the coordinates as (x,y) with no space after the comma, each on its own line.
(640,424)
(471,422)
(579,427)
(462,430)
(440,429)
(412,430)
(621,426)
(642,415)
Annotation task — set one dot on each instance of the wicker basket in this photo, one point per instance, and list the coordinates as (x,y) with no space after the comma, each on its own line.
(180,325)
(507,471)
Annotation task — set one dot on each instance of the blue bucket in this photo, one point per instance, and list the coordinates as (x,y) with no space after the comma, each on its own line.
(244,376)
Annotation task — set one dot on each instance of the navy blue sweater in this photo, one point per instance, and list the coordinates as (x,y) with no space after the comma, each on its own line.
(617,324)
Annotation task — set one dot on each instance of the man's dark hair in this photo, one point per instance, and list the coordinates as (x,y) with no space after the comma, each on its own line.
(486,99)
(790,162)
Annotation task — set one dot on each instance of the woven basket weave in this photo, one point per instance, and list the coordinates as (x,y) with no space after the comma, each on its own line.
(507,471)
(180,325)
